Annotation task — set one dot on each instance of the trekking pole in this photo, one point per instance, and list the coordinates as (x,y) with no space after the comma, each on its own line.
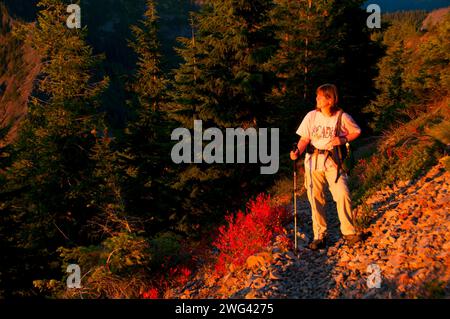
(295,201)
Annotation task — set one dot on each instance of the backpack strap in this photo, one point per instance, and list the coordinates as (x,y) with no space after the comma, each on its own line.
(310,147)
(338,128)
(337,150)
(314,118)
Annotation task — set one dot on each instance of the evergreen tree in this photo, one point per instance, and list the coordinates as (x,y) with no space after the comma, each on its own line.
(146,152)
(412,74)
(233,42)
(49,182)
(320,42)
(428,73)
(150,85)
(186,95)
(300,60)
(389,83)
(352,55)
(223,82)
(107,194)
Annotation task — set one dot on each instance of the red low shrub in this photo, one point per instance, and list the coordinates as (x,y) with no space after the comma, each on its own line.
(151,294)
(247,233)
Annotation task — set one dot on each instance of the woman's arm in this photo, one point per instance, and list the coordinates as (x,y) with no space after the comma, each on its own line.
(342,140)
(353,130)
(302,144)
(301,147)
(353,136)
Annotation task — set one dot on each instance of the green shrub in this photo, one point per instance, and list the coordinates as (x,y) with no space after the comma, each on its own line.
(364,218)
(433,289)
(165,246)
(440,132)
(446,162)
(117,268)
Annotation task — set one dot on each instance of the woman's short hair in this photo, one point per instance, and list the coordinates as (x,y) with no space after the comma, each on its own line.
(330,91)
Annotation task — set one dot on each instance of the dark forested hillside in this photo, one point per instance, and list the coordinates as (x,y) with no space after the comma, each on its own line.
(109,20)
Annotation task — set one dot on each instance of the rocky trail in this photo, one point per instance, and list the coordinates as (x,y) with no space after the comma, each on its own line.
(407,249)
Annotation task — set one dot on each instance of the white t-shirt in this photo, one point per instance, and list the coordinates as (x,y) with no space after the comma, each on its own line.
(320,129)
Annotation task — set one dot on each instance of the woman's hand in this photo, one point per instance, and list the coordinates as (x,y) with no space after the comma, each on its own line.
(294,155)
(336,141)
(301,147)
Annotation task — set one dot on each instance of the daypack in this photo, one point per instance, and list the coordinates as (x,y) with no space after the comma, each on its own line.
(342,154)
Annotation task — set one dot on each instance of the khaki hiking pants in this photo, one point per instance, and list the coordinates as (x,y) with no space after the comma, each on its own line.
(315,182)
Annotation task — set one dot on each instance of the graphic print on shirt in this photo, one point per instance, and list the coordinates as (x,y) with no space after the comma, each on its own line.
(319,131)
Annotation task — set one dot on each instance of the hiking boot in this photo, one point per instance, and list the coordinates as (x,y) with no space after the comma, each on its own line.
(318,244)
(350,240)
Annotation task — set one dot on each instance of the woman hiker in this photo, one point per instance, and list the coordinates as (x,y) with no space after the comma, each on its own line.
(318,136)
